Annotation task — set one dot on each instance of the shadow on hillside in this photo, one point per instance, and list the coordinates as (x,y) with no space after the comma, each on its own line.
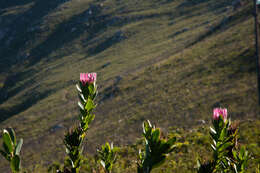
(191,3)
(244,63)
(90,22)
(213,5)
(7,91)
(225,24)
(31,99)
(7,3)
(55,41)
(20,24)
(110,41)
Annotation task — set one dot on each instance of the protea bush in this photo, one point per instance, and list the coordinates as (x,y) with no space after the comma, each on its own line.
(74,138)
(107,156)
(226,157)
(156,149)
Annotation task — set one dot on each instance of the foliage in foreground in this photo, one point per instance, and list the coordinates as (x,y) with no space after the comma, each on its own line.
(107,156)
(12,149)
(224,144)
(156,149)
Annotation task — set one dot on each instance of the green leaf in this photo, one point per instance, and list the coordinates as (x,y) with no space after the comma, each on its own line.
(18,147)
(225,146)
(223,134)
(7,141)
(82,98)
(103,163)
(221,122)
(112,146)
(91,88)
(212,146)
(198,164)
(80,105)
(156,135)
(234,154)
(243,153)
(15,163)
(235,168)
(214,142)
(212,130)
(90,105)
(6,148)
(12,135)
(147,127)
(78,88)
(94,95)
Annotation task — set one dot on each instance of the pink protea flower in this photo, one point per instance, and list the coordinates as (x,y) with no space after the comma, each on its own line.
(88,78)
(220,112)
(92,77)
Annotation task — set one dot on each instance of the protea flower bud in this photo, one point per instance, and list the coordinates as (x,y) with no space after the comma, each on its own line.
(88,78)
(220,112)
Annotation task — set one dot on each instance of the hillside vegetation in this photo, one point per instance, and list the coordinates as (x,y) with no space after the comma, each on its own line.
(169,61)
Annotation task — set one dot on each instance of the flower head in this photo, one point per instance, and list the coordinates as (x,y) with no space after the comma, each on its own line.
(88,78)
(220,112)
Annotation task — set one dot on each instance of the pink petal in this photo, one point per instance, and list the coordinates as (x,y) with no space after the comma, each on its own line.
(88,78)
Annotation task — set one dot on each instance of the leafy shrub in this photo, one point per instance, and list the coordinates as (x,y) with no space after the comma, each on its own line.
(224,143)
(12,149)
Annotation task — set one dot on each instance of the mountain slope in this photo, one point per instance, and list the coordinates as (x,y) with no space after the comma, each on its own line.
(169,61)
